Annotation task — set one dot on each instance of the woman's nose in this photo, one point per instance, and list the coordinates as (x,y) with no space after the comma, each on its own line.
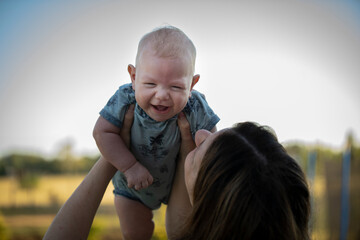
(201,135)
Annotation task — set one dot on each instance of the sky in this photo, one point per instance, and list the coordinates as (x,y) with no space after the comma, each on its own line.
(289,64)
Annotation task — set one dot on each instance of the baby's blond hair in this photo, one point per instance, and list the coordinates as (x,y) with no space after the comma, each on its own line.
(169,42)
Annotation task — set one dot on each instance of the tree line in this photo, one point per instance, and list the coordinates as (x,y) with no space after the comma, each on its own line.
(23,164)
(65,162)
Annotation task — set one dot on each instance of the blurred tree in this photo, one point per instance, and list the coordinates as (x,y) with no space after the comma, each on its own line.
(65,155)
(2,168)
(27,180)
(299,152)
(25,168)
(15,163)
(66,151)
(350,140)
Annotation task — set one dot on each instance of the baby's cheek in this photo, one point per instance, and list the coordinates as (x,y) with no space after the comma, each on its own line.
(183,100)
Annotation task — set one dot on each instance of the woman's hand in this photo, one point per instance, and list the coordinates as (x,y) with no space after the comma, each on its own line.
(125,131)
(187,141)
(179,206)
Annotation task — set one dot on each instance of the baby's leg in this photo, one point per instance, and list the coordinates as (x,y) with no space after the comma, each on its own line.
(135,218)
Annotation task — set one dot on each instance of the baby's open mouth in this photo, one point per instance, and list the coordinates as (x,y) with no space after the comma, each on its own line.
(160,108)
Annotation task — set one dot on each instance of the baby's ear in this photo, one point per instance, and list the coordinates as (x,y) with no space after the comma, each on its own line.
(132,73)
(194,81)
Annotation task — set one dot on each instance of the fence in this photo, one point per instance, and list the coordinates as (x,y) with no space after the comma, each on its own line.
(335,187)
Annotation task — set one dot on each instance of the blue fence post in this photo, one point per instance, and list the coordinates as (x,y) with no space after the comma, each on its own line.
(311,177)
(311,167)
(345,181)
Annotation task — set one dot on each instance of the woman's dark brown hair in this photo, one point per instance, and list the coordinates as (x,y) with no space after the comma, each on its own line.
(248,187)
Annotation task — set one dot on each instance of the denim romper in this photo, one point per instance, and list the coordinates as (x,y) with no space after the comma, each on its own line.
(155,144)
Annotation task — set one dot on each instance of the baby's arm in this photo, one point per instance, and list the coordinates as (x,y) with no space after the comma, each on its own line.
(114,150)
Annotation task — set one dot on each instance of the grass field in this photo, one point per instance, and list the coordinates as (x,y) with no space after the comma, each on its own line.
(51,190)
(28,213)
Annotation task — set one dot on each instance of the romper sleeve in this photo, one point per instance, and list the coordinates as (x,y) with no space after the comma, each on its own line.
(199,114)
(115,109)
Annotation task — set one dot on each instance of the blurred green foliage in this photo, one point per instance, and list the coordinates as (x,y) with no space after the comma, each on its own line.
(23,165)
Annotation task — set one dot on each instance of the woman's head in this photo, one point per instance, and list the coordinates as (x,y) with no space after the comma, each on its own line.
(246,187)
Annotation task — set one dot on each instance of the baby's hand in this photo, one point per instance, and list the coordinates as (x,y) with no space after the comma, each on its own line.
(138,177)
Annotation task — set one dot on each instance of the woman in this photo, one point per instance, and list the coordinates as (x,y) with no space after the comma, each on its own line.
(241,184)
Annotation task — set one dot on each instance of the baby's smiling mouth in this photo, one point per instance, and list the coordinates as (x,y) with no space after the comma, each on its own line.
(160,108)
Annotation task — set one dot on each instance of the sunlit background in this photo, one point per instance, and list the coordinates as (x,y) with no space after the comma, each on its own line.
(292,65)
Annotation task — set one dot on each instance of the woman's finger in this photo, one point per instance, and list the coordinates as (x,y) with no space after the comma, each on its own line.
(126,127)
(150,180)
(130,185)
(187,142)
(184,127)
(145,184)
(129,118)
(138,186)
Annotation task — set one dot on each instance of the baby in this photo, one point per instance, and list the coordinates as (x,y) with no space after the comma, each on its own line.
(161,88)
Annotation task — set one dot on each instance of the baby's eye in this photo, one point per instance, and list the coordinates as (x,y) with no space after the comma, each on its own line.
(177,87)
(149,84)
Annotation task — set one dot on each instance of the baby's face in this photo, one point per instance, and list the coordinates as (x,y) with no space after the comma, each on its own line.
(162,85)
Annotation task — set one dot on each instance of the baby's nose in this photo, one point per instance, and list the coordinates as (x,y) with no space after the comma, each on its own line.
(162,94)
